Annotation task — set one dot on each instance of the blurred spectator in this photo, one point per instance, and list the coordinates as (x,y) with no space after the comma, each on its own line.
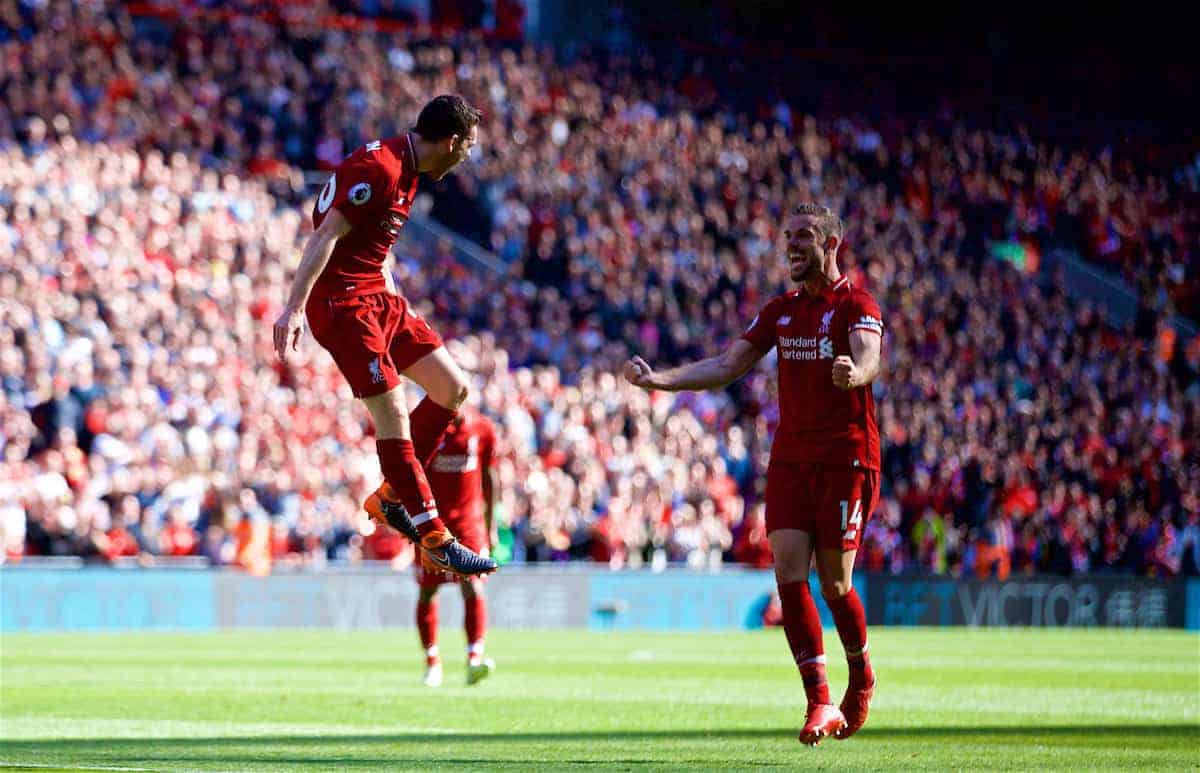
(929,542)
(993,549)
(1189,546)
(178,538)
(143,253)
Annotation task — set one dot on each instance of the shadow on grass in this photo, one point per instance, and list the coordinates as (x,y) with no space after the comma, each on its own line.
(1097,735)
(524,749)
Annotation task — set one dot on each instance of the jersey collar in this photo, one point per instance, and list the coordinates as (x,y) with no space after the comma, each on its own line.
(412,148)
(827,292)
(840,286)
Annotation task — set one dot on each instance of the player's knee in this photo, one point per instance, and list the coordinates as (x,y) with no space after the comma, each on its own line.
(393,425)
(789,570)
(472,589)
(389,414)
(834,588)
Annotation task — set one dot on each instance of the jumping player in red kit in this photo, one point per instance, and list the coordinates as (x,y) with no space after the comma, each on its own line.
(823,477)
(343,287)
(463,477)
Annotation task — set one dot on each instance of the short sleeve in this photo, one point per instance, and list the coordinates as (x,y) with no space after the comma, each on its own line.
(357,189)
(761,332)
(865,314)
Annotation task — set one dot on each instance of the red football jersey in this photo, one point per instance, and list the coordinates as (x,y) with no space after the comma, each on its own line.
(373,188)
(820,423)
(456,472)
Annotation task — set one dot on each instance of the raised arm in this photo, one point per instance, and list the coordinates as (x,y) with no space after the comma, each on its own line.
(862,366)
(711,373)
(317,251)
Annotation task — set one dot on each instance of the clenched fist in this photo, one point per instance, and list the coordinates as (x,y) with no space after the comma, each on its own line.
(638,373)
(846,374)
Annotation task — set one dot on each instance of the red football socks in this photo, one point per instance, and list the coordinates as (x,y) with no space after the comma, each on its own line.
(851,622)
(429,422)
(803,628)
(427,622)
(405,475)
(475,619)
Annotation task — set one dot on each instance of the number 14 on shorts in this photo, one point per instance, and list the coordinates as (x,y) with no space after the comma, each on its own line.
(851,517)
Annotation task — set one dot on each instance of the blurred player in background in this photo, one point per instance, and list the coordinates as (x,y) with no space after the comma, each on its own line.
(823,477)
(463,477)
(344,288)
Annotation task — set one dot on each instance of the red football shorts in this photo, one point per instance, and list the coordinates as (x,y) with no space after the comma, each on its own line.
(830,502)
(471,535)
(373,338)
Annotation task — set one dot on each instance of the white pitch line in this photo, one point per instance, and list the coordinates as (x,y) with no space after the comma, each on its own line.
(71,767)
(34,728)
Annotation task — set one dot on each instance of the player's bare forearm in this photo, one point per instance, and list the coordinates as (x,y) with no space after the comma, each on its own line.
(711,373)
(289,328)
(316,256)
(869,369)
(866,347)
(862,366)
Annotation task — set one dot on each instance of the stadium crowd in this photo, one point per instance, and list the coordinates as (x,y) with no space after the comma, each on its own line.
(150,211)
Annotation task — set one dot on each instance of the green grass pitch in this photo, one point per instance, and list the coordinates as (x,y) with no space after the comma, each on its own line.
(322,700)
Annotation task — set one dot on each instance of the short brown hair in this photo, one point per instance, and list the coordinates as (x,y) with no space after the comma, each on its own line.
(827,220)
(446,116)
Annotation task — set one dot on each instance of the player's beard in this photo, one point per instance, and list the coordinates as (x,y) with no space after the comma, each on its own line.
(806,268)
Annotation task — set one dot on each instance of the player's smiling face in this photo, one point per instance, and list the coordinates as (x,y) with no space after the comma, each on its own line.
(805,254)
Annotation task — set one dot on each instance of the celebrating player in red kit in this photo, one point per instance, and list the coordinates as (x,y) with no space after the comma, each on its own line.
(343,288)
(823,477)
(462,475)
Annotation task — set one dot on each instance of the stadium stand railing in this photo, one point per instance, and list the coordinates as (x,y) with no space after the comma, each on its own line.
(428,231)
(161,562)
(1085,280)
